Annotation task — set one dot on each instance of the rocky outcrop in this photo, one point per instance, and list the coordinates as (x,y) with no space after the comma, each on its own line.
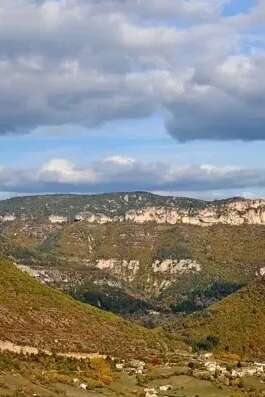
(233,212)
(8,218)
(176,266)
(57,219)
(94,218)
(129,269)
(125,270)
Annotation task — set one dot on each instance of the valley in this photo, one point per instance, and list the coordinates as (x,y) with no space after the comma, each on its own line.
(183,301)
(133,269)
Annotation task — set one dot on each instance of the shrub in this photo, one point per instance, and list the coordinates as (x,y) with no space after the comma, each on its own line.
(206,344)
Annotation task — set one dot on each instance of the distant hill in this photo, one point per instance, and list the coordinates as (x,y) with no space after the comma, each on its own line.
(134,207)
(36,315)
(237,323)
(110,204)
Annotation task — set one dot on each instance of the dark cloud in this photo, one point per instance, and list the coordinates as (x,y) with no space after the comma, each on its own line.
(88,62)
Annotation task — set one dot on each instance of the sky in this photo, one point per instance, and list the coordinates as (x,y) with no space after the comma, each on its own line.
(122,95)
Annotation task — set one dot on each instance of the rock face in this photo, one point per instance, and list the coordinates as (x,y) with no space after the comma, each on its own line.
(176,266)
(236,212)
(135,207)
(126,270)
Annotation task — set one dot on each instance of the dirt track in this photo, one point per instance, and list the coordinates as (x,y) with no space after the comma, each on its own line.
(12,348)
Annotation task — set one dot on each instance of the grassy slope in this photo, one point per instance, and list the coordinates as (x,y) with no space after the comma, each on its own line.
(220,243)
(34,314)
(237,320)
(228,254)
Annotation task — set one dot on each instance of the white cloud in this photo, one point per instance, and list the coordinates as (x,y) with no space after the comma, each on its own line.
(120,160)
(120,173)
(61,171)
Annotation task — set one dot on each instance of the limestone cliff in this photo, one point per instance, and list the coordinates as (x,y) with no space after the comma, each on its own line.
(135,207)
(235,212)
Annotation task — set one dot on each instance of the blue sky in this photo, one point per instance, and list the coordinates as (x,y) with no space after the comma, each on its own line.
(142,139)
(167,97)
(237,6)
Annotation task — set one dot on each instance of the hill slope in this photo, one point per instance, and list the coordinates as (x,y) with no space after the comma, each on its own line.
(36,315)
(162,265)
(237,322)
(112,204)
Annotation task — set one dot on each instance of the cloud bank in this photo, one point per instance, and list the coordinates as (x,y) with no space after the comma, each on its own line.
(87,62)
(119,173)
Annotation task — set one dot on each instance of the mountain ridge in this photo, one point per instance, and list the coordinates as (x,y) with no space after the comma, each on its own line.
(134,207)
